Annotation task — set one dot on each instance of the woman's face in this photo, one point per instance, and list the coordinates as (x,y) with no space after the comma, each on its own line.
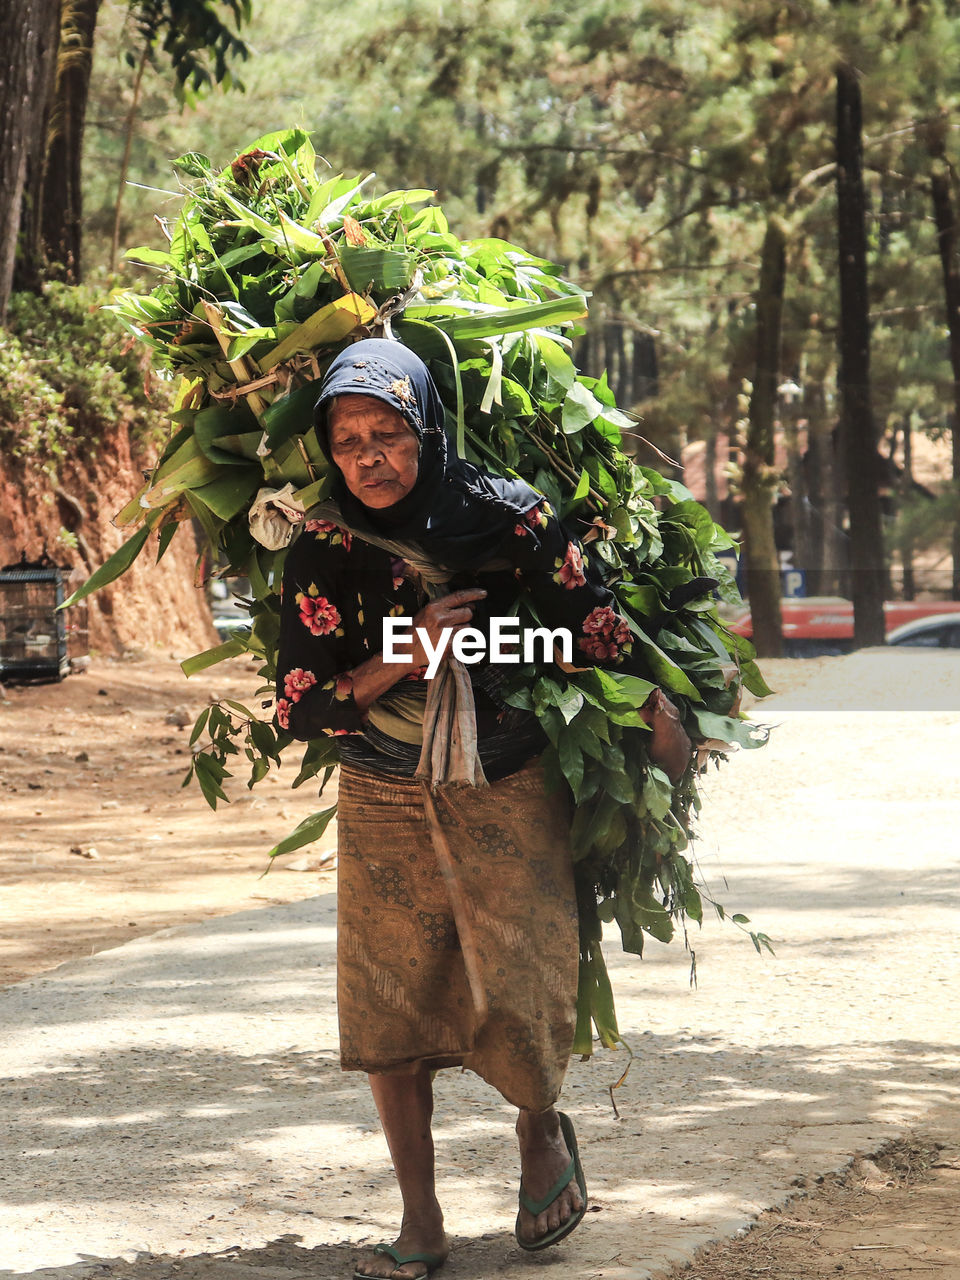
(375,449)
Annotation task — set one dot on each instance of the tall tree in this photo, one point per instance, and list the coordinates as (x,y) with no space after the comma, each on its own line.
(942,191)
(28,44)
(62,197)
(759,473)
(46,48)
(201,48)
(857,422)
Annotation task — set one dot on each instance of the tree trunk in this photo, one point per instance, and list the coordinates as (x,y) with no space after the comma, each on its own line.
(129,126)
(799,499)
(815,526)
(644,377)
(616,360)
(857,425)
(906,488)
(836,540)
(28,42)
(945,216)
(816,472)
(62,196)
(711,499)
(759,474)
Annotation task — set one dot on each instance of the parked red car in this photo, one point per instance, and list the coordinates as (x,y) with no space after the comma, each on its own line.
(824,624)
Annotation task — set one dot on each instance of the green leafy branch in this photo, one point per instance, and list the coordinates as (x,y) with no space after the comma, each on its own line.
(272,267)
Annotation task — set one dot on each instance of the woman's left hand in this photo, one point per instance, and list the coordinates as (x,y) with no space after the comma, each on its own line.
(450,614)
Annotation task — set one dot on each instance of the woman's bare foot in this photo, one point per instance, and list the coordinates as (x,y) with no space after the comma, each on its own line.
(543,1159)
(425,1235)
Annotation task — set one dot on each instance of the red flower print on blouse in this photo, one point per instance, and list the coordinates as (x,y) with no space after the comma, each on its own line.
(340,686)
(317,614)
(283,713)
(343,688)
(604,634)
(570,572)
(327,529)
(297,682)
(599,621)
(533,519)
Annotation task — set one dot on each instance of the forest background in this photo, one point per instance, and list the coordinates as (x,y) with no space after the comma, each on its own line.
(761,198)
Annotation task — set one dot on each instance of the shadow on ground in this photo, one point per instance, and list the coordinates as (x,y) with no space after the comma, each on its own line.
(286,1258)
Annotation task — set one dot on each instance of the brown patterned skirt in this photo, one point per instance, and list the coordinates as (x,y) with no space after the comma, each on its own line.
(457,947)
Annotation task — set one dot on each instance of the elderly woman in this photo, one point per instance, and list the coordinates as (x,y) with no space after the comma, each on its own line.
(457,919)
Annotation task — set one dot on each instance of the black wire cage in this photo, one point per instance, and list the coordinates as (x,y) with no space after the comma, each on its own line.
(33,633)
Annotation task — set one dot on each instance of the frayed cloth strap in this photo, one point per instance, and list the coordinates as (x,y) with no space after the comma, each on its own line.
(449,754)
(459,904)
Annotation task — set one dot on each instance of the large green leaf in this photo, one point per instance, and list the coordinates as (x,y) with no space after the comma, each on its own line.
(231,493)
(291,415)
(580,408)
(729,729)
(210,657)
(383,270)
(668,672)
(329,325)
(118,564)
(218,433)
(529,316)
(309,830)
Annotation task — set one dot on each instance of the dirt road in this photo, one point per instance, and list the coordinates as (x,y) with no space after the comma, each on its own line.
(174,1106)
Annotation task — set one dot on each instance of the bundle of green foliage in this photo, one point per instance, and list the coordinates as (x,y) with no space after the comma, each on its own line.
(271,270)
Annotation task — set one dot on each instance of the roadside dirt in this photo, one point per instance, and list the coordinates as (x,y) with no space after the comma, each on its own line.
(101,843)
(893,1215)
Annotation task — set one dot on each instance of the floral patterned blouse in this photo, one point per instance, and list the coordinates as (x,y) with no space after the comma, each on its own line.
(337,590)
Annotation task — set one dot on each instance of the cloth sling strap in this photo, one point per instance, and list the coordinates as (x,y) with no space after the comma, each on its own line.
(449,754)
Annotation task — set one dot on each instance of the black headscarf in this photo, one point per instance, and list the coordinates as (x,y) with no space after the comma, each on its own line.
(456,512)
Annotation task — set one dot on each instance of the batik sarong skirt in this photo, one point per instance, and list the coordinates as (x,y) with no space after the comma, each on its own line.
(467,957)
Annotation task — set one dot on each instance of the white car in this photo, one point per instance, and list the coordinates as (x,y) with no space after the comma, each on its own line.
(940,631)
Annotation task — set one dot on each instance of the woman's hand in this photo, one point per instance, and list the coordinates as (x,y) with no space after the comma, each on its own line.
(372,679)
(670,748)
(454,611)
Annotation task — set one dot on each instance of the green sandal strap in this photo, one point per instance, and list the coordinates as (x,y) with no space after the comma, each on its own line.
(536,1207)
(431,1260)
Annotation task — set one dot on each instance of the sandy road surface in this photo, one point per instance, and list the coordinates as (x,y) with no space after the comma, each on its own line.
(92,763)
(174,1106)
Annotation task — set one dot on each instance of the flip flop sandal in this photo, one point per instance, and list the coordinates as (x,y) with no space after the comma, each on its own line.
(535,1207)
(432,1261)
